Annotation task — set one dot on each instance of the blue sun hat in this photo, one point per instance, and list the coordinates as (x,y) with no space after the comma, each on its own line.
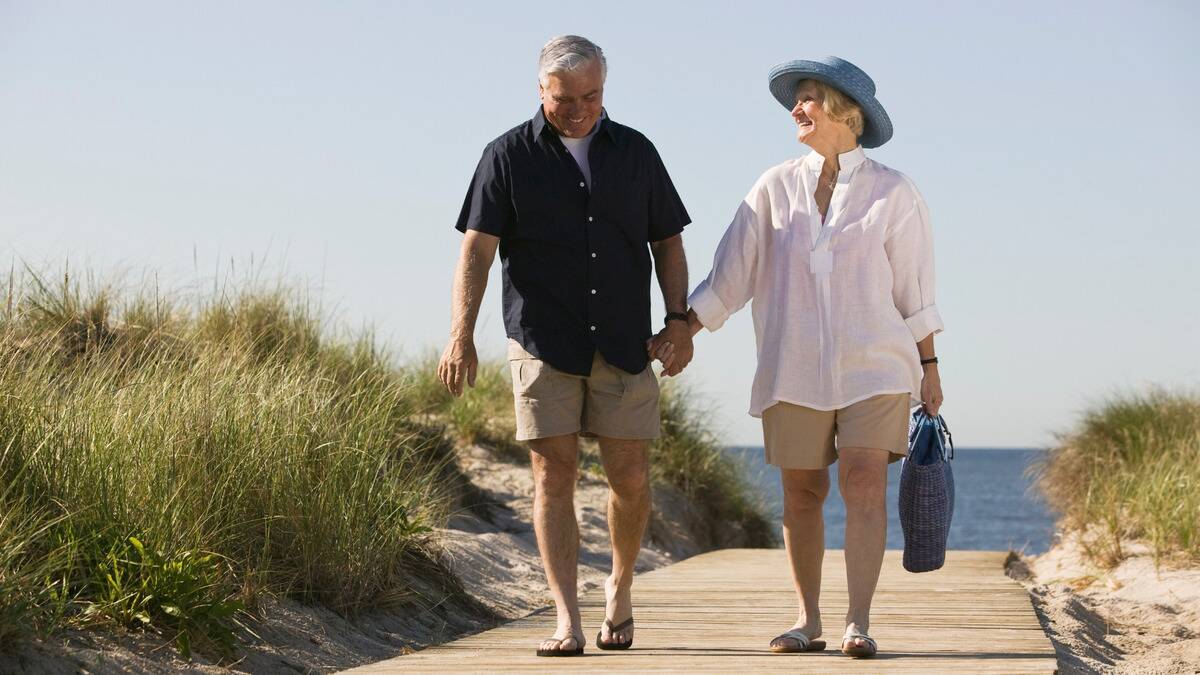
(847,78)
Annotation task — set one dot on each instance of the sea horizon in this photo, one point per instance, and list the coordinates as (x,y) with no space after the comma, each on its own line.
(996,505)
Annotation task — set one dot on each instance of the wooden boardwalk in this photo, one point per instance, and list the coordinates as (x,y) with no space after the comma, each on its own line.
(718,612)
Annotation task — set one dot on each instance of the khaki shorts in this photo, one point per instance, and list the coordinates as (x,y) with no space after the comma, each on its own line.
(797,437)
(610,402)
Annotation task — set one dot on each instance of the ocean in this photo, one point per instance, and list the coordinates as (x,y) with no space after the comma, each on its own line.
(995,506)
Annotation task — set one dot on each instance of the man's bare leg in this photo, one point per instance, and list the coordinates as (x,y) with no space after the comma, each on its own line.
(804,493)
(627,467)
(555,463)
(862,478)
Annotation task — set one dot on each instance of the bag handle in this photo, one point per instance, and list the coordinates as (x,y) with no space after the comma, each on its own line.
(949,438)
(941,431)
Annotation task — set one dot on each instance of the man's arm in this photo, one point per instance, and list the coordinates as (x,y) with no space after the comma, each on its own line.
(459,361)
(670,264)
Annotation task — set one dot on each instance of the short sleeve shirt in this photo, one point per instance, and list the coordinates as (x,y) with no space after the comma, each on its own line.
(575,261)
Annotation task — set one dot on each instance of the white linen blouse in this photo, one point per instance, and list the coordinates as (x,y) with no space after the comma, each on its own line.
(838,307)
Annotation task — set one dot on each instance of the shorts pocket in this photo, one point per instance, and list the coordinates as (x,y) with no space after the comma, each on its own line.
(640,387)
(607,381)
(523,366)
(532,378)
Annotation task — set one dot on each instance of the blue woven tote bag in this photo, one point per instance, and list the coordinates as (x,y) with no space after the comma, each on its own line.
(926,493)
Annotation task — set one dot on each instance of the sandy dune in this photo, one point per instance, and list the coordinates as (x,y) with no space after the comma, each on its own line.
(1136,618)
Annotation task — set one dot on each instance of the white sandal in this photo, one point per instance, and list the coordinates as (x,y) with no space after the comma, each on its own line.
(865,651)
(805,643)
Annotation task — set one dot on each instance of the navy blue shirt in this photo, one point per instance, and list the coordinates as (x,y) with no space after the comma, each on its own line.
(576,262)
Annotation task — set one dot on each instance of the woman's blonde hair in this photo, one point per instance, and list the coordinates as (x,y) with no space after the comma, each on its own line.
(838,106)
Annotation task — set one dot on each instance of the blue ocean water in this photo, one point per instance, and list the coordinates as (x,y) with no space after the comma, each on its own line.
(995,507)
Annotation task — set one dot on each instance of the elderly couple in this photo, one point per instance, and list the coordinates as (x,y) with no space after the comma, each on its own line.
(833,248)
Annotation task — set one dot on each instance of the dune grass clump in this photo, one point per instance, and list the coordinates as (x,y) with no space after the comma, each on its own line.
(483,415)
(1130,470)
(164,463)
(690,456)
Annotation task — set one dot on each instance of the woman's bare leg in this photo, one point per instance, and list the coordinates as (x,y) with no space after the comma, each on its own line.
(862,478)
(804,493)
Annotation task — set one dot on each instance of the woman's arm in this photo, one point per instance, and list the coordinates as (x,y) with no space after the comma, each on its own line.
(730,284)
(909,247)
(931,381)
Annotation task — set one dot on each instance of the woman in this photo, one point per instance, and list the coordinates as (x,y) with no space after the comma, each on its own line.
(836,252)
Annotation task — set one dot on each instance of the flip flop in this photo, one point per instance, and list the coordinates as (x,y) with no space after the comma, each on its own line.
(578,651)
(864,652)
(615,629)
(805,643)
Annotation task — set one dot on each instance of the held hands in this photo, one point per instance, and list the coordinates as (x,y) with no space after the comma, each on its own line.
(459,364)
(931,390)
(672,347)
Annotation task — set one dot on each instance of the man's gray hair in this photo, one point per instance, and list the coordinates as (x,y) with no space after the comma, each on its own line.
(566,53)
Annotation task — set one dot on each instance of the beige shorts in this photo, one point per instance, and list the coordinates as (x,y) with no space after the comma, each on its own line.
(610,402)
(797,437)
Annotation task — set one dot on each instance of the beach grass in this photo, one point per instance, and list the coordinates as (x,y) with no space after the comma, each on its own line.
(168,461)
(1130,471)
(165,463)
(690,456)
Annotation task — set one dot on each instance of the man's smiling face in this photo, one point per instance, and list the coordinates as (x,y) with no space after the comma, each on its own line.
(573,100)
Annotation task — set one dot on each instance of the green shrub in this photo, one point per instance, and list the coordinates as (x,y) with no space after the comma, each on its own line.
(183,593)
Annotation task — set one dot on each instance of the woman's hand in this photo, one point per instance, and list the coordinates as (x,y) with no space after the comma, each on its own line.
(931,389)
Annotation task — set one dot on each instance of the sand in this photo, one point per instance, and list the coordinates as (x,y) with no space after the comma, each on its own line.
(490,547)
(1134,618)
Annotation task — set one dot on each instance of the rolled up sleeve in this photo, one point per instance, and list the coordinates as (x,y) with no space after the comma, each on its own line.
(730,284)
(909,248)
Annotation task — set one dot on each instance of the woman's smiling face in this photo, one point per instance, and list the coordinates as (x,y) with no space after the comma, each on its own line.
(809,114)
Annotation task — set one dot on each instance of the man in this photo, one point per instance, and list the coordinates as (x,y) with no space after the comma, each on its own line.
(577,205)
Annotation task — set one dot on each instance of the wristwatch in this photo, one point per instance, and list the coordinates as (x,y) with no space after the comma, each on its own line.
(675,316)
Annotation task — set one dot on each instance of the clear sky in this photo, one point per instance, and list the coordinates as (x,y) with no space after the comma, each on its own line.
(1055,144)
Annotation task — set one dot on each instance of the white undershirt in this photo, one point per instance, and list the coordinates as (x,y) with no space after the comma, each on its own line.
(578,147)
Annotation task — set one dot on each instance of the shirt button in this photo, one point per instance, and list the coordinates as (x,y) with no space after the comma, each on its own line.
(593,255)
(581,184)
(593,328)
(593,291)
(590,219)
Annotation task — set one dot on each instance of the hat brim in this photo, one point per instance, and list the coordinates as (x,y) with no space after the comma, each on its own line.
(877,126)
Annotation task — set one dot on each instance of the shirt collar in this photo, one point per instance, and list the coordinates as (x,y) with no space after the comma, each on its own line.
(847,161)
(541,127)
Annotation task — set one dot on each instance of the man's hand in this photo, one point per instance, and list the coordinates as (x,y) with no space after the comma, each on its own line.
(672,347)
(931,390)
(458,365)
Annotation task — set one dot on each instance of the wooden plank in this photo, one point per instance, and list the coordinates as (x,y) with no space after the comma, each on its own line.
(719,611)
